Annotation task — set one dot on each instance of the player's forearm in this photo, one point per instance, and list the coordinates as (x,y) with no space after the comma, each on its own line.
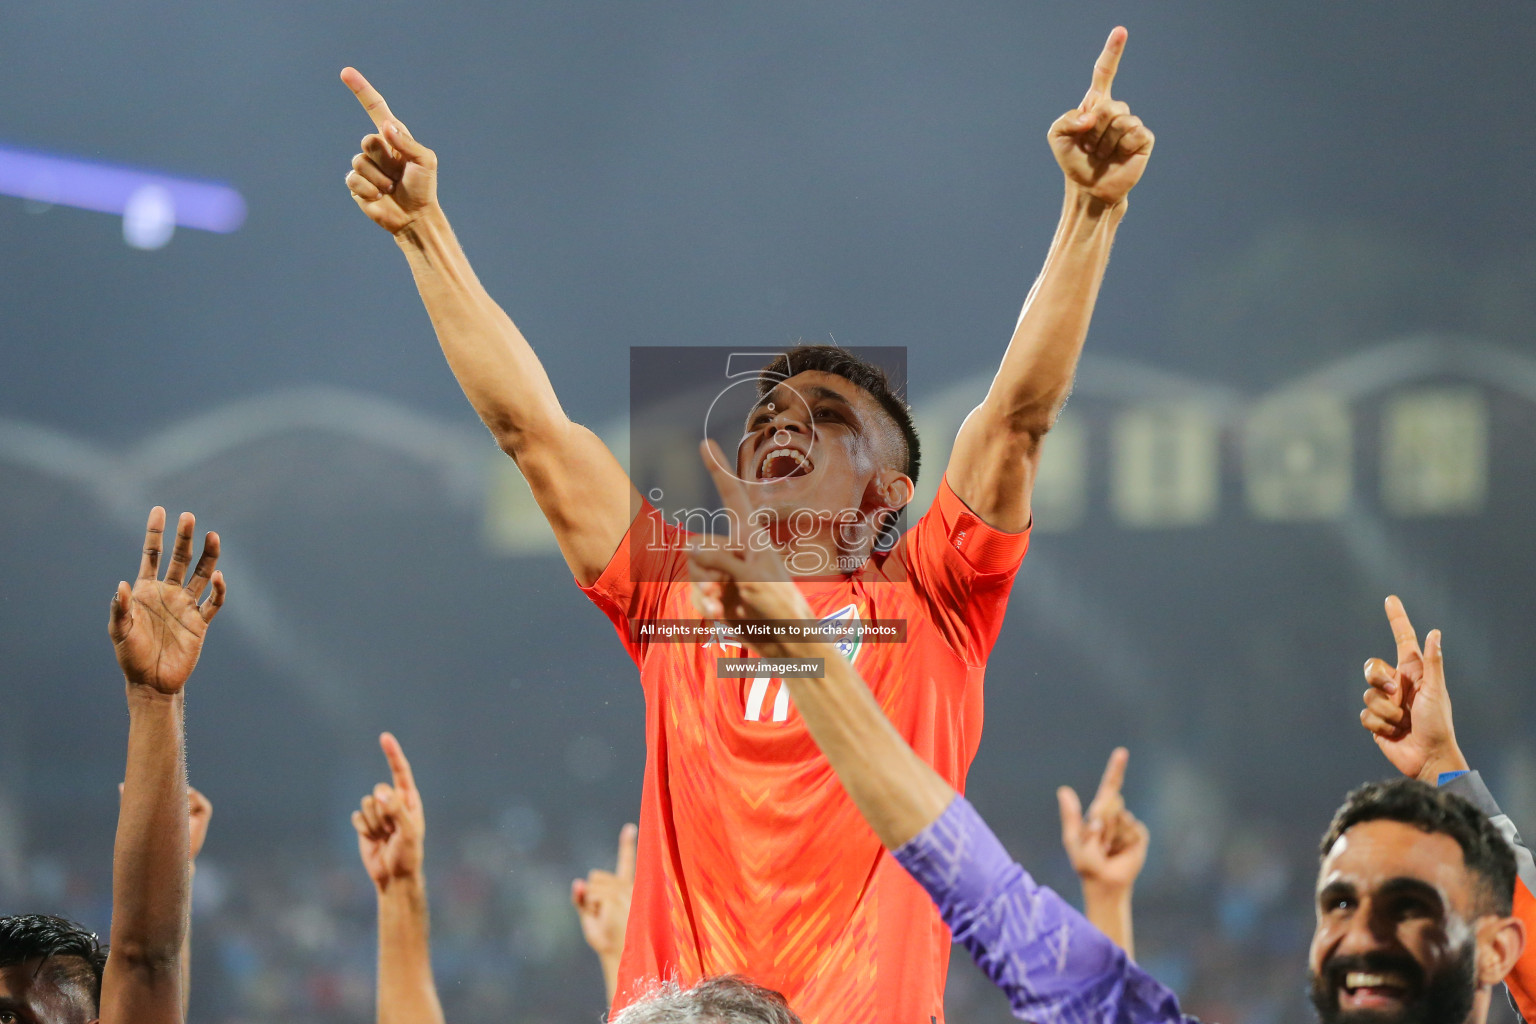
(896,791)
(494,364)
(1109,909)
(1037,370)
(610,963)
(150,884)
(407,993)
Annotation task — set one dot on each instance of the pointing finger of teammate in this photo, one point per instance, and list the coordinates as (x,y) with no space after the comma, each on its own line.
(399,767)
(625,867)
(732,494)
(1114,774)
(1103,69)
(1402,630)
(368,96)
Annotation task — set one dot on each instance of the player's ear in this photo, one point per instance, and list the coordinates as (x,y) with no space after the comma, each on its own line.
(894,489)
(1501,941)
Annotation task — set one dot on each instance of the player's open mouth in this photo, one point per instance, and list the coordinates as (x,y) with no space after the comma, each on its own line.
(782,462)
(1365,990)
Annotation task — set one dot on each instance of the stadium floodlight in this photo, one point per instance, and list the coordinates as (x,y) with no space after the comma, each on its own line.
(151,204)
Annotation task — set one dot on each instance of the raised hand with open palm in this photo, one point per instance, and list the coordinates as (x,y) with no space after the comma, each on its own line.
(157,626)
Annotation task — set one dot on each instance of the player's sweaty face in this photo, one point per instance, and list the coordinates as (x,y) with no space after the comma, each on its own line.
(811,444)
(32,996)
(1393,942)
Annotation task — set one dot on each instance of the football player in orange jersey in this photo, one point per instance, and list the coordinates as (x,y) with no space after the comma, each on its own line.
(1408,713)
(739,813)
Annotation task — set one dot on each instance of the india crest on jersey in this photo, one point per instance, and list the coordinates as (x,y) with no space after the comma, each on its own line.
(847,646)
(758,692)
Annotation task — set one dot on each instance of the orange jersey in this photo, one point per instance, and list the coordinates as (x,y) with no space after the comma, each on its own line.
(752,860)
(1521,981)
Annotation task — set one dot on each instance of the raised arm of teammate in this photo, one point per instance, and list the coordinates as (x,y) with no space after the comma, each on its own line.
(157,629)
(1045,956)
(391,833)
(1408,713)
(580,486)
(1102,149)
(199,813)
(602,905)
(1107,848)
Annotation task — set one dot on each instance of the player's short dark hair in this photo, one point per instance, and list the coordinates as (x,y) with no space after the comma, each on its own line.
(1486,852)
(867,376)
(724,999)
(70,953)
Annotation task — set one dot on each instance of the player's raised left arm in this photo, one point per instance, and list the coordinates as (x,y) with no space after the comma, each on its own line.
(1102,149)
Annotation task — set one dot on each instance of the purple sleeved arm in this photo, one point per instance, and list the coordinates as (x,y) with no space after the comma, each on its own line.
(1051,963)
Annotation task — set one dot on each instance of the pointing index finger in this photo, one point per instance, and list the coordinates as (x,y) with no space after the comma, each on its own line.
(1105,67)
(625,867)
(1402,630)
(399,767)
(368,96)
(732,494)
(1114,772)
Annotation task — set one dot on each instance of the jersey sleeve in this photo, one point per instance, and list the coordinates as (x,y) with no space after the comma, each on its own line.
(1522,979)
(1051,963)
(637,579)
(963,570)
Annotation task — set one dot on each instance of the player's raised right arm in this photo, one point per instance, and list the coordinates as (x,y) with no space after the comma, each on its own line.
(583,491)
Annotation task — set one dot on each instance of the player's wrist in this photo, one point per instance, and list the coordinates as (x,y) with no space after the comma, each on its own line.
(1442,761)
(426,231)
(402,887)
(1083,202)
(1106,892)
(145,696)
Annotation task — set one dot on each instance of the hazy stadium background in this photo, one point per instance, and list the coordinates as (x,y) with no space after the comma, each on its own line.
(1311,382)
